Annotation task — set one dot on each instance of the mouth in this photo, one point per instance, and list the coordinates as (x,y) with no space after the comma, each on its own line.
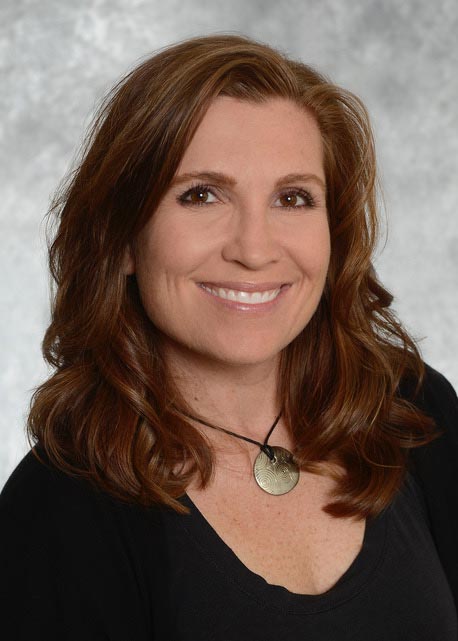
(245,293)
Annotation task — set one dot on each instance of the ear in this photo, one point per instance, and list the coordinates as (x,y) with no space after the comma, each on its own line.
(128,263)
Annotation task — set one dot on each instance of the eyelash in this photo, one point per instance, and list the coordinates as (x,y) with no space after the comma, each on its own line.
(308,198)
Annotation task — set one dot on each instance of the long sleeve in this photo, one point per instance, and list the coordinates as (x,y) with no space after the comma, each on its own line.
(436,469)
(74,564)
(29,598)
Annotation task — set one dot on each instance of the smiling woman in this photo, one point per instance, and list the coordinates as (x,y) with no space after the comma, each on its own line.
(238,432)
(217,254)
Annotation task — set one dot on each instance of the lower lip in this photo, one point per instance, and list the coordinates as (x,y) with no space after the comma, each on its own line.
(255,308)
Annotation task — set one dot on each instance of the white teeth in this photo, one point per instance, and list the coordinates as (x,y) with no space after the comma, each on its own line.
(251,298)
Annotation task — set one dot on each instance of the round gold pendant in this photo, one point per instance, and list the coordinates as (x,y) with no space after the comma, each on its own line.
(277,476)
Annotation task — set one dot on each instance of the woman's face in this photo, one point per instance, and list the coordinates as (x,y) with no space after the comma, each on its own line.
(232,264)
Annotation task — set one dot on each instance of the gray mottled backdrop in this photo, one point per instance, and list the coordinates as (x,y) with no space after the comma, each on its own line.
(58,57)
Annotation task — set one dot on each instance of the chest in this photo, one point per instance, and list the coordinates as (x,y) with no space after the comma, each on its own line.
(288,540)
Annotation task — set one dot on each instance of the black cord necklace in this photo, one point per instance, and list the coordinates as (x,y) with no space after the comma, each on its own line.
(274,469)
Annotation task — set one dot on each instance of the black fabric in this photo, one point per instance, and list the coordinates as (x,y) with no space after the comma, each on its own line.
(395,589)
(436,468)
(78,565)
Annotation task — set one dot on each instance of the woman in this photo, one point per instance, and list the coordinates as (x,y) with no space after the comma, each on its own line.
(239,440)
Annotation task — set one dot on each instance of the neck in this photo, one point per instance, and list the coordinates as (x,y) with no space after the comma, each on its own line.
(242,398)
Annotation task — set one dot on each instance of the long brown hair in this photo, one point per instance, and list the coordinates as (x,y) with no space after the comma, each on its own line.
(108,413)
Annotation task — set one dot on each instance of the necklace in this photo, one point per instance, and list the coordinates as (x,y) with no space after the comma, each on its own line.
(274,468)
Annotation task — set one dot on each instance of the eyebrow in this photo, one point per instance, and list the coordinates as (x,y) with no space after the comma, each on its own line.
(224,179)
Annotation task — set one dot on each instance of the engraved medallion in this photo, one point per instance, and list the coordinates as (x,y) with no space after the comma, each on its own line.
(278,475)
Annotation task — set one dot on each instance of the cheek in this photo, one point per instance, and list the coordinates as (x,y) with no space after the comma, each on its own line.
(172,245)
(165,257)
(313,252)
(325,250)
(157,251)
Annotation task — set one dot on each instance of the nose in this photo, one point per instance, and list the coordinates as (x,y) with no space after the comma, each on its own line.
(252,240)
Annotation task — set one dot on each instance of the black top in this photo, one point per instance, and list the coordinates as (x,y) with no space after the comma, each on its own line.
(76,564)
(395,589)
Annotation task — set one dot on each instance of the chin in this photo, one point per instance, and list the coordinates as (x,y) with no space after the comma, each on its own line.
(239,357)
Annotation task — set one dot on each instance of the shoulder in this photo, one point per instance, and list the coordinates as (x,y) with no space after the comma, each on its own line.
(36,490)
(35,486)
(436,398)
(38,495)
(70,555)
(439,391)
(435,390)
(435,467)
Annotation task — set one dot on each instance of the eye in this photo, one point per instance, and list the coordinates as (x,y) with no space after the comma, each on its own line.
(198,195)
(296,198)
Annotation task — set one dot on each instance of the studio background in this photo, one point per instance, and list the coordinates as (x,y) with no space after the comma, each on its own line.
(58,58)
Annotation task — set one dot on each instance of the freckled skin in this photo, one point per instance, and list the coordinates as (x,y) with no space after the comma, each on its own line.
(245,233)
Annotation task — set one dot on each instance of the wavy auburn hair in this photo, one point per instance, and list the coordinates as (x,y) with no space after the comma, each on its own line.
(109,413)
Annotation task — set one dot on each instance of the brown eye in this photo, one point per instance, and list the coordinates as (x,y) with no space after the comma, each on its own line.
(295,200)
(288,200)
(199,195)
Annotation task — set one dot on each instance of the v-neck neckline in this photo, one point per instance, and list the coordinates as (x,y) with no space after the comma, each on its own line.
(224,559)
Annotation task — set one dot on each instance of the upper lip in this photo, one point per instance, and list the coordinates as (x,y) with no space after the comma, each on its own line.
(243,286)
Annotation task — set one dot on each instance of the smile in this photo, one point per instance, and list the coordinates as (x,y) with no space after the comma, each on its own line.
(248,298)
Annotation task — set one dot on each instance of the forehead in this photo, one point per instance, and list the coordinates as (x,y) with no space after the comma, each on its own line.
(237,134)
